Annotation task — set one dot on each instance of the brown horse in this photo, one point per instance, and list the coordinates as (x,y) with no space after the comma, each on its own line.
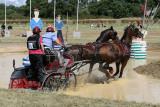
(88,51)
(104,38)
(119,51)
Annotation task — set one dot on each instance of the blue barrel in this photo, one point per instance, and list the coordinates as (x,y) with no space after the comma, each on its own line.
(26,61)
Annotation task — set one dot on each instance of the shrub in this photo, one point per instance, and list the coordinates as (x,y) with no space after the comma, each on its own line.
(111,21)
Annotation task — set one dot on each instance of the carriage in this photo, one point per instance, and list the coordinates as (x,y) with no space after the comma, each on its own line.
(55,78)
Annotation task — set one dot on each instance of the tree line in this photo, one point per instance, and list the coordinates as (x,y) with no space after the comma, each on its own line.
(87,9)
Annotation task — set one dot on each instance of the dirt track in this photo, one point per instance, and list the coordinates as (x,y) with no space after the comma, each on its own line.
(12,47)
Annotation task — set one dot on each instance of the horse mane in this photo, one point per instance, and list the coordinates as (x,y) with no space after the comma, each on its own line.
(102,33)
(125,33)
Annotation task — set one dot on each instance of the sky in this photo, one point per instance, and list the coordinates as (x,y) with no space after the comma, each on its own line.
(14,2)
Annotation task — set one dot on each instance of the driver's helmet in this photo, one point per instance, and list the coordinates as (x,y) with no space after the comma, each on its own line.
(36,30)
(50,29)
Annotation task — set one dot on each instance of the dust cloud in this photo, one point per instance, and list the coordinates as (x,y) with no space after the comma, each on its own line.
(132,87)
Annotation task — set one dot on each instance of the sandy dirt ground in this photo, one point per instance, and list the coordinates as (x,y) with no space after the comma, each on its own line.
(13,47)
(152,69)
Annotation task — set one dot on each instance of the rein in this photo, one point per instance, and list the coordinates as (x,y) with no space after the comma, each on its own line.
(92,46)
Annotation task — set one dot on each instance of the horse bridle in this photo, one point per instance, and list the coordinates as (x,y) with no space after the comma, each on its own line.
(134,30)
(114,34)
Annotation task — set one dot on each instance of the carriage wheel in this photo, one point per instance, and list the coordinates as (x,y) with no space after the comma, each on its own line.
(71,80)
(51,84)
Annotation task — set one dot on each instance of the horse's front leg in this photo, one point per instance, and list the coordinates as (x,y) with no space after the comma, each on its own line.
(117,69)
(105,69)
(100,66)
(122,68)
(90,68)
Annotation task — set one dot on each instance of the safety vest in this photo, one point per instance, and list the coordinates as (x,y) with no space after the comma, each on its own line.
(33,42)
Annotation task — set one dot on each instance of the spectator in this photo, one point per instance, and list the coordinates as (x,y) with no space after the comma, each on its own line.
(98,25)
(3,26)
(9,27)
(92,26)
(138,23)
(3,30)
(103,25)
(24,35)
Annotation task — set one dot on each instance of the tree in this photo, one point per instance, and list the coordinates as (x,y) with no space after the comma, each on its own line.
(87,8)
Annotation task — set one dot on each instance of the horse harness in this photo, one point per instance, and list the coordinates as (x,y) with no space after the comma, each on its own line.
(96,47)
(81,50)
(125,49)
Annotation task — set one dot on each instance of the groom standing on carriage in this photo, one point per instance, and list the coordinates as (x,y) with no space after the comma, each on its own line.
(36,51)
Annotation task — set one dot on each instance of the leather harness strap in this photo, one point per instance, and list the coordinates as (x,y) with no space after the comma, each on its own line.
(112,48)
(93,47)
(124,50)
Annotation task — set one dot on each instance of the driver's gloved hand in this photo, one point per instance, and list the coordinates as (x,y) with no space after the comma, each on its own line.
(65,47)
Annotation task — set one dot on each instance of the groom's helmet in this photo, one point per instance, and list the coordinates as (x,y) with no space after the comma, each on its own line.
(50,29)
(36,30)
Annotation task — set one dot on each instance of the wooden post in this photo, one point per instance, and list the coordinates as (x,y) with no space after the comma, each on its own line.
(77,13)
(30,13)
(67,30)
(54,12)
(5,17)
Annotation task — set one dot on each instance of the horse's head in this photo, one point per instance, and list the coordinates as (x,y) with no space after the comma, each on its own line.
(107,34)
(130,32)
(113,34)
(135,32)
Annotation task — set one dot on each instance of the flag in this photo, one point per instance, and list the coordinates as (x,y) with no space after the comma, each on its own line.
(148,13)
(152,17)
(142,8)
(49,1)
(154,10)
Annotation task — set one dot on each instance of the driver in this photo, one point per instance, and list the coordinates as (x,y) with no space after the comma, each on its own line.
(49,40)
(3,30)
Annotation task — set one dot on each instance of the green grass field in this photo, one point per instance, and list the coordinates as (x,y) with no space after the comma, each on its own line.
(17,98)
(87,34)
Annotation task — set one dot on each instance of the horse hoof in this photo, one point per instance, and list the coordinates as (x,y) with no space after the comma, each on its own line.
(110,80)
(113,77)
